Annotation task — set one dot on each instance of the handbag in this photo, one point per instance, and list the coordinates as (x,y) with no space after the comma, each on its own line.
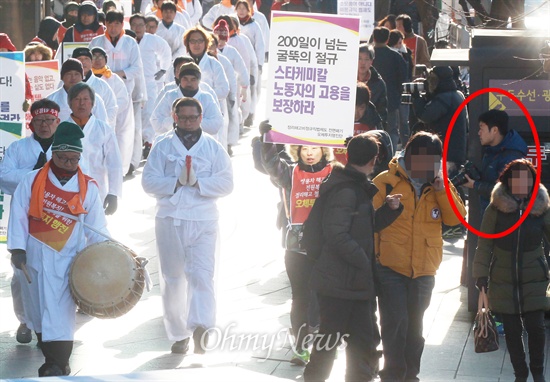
(485,329)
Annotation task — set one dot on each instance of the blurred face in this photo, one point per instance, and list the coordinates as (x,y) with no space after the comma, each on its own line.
(151,27)
(98,61)
(311,155)
(187,118)
(71,78)
(241,10)
(424,166)
(138,26)
(521,183)
(189,82)
(87,18)
(168,15)
(35,56)
(399,44)
(81,105)
(364,63)
(45,125)
(67,160)
(488,136)
(114,28)
(197,44)
(86,63)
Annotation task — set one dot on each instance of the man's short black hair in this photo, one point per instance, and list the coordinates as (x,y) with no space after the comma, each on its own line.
(496,118)
(362,149)
(395,35)
(113,16)
(187,101)
(148,19)
(180,61)
(424,142)
(368,49)
(168,5)
(407,22)
(138,16)
(381,35)
(44,103)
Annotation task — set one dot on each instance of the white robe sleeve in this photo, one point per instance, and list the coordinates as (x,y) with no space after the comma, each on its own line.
(95,216)
(99,111)
(220,182)
(113,161)
(194,8)
(110,102)
(212,118)
(161,118)
(154,181)
(18,224)
(11,173)
(220,83)
(243,75)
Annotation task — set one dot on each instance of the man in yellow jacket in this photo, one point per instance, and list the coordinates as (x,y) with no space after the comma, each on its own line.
(410,250)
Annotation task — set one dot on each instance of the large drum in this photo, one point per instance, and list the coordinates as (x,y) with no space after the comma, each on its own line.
(106,279)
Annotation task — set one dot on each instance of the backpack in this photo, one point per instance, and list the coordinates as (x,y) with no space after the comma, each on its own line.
(313,239)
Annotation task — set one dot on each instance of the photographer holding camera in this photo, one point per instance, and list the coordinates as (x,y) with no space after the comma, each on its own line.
(501,146)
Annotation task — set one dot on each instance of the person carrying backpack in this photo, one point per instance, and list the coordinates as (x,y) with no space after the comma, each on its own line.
(299,181)
(343,275)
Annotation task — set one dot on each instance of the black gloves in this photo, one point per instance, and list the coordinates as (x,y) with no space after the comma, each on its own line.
(159,74)
(264,127)
(18,257)
(110,204)
(482,282)
(41,161)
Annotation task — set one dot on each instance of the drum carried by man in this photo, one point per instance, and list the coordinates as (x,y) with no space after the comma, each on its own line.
(55,213)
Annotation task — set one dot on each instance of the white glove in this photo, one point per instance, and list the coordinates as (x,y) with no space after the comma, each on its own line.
(243,93)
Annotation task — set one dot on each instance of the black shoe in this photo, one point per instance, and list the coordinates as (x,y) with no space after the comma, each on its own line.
(50,370)
(24,334)
(146,150)
(249,120)
(131,170)
(181,347)
(229,150)
(200,338)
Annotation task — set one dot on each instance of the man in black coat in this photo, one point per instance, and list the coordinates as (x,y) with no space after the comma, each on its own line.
(393,69)
(343,275)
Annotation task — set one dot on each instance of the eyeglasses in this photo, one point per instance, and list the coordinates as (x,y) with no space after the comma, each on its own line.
(66,160)
(198,41)
(190,118)
(40,121)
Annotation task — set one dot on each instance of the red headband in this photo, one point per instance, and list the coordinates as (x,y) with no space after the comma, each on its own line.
(45,110)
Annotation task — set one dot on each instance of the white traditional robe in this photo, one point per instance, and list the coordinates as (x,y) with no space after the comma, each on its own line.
(107,95)
(203,86)
(186,228)
(254,33)
(232,105)
(124,56)
(124,128)
(213,74)
(260,18)
(212,118)
(102,157)
(49,306)
(60,97)
(215,12)
(174,37)
(155,53)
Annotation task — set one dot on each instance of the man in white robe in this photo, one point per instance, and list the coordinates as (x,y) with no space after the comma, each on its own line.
(100,87)
(189,80)
(220,9)
(71,74)
(155,53)
(124,60)
(45,244)
(101,155)
(171,31)
(181,16)
(21,157)
(187,171)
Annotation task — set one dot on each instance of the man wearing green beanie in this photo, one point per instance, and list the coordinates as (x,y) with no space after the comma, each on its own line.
(43,243)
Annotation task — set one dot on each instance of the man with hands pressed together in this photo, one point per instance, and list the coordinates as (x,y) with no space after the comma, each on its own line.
(187,171)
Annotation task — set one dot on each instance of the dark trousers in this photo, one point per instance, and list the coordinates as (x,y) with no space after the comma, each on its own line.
(402,302)
(533,322)
(298,269)
(55,352)
(353,321)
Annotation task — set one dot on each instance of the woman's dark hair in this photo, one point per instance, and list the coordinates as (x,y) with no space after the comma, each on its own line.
(516,165)
(395,35)
(425,143)
(388,19)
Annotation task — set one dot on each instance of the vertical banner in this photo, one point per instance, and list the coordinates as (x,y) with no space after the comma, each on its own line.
(363,8)
(312,78)
(43,77)
(12,117)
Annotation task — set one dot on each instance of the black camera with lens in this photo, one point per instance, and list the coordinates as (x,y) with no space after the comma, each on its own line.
(469,169)
(419,86)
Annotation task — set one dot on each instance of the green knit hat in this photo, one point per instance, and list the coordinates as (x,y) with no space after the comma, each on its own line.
(68,137)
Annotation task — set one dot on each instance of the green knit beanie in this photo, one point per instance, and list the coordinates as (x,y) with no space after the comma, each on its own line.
(68,137)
